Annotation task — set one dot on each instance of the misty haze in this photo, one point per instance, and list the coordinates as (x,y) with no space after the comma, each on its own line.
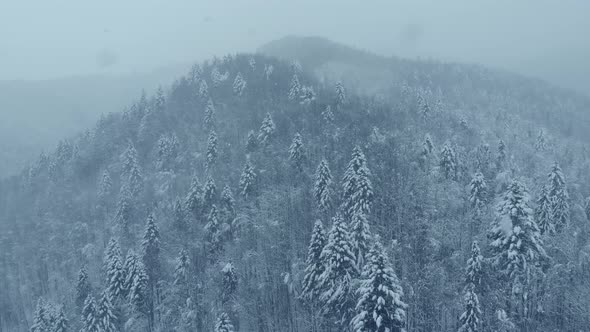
(379,166)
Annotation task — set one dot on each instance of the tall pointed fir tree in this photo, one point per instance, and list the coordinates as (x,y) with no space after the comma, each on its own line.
(83,288)
(322,191)
(131,268)
(227,200)
(470,321)
(426,153)
(209,193)
(297,152)
(541,142)
(179,217)
(213,233)
(340,95)
(357,188)
(239,85)
(247,180)
(380,307)
(90,318)
(61,321)
(203,90)
(194,199)
(105,187)
(40,321)
(448,162)
(229,282)
(223,323)
(501,156)
(516,245)
(106,313)
(559,197)
(129,159)
(151,249)
(211,149)
(139,292)
(267,130)
(337,280)
(122,217)
(361,238)
(328,115)
(182,270)
(210,115)
(544,212)
(473,271)
(114,270)
(314,265)
(252,141)
(294,88)
(478,192)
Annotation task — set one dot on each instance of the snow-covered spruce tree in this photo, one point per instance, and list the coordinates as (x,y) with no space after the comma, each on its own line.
(229,282)
(223,323)
(328,115)
(130,160)
(40,318)
(501,156)
(139,293)
(114,270)
(314,265)
(473,271)
(448,162)
(337,280)
(105,187)
(150,246)
(541,142)
(478,192)
(469,320)
(167,152)
(61,321)
(181,269)
(209,193)
(239,85)
(544,212)
(122,217)
(267,130)
(483,159)
(340,94)
(90,319)
(194,199)
(361,238)
(135,181)
(211,149)
(294,88)
(307,96)
(516,244)
(227,200)
(213,233)
(297,152)
(210,115)
(106,313)
(203,90)
(357,195)
(247,180)
(83,288)
(252,142)
(252,63)
(380,307)
(426,153)
(322,191)
(268,70)
(423,107)
(179,217)
(559,197)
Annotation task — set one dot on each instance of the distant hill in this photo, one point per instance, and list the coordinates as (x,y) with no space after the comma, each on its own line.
(36,114)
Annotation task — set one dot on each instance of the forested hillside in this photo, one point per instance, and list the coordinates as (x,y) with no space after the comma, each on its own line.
(256,194)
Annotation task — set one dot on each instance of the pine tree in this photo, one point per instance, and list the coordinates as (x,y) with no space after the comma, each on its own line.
(83,288)
(558,194)
(470,318)
(151,249)
(106,316)
(212,229)
(340,95)
(473,272)
(501,157)
(516,244)
(448,162)
(227,200)
(239,84)
(267,130)
(40,322)
(209,120)
(328,115)
(483,159)
(423,107)
(336,281)
(114,270)
(223,323)
(380,306)
(247,180)
(229,282)
(211,149)
(541,143)
(297,152)
(104,187)
(90,319)
(544,212)
(294,88)
(138,294)
(314,265)
(426,153)
(131,268)
(307,95)
(61,321)
(135,181)
(268,70)
(194,199)
(122,217)
(252,142)
(203,90)
(357,188)
(167,152)
(179,220)
(181,270)
(322,191)
(361,237)
(478,192)
(129,159)
(209,192)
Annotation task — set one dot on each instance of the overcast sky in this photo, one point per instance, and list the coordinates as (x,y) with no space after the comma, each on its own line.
(42,39)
